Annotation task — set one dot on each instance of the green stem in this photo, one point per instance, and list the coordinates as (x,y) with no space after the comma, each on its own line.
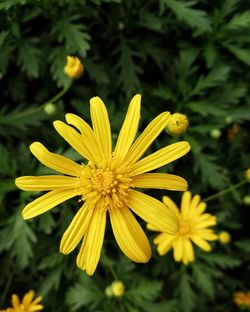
(110,267)
(227,190)
(60,94)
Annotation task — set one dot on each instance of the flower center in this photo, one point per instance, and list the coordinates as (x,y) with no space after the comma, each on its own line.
(184,228)
(107,185)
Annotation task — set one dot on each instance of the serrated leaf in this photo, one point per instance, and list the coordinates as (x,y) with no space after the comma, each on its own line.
(203,279)
(29,57)
(240,20)
(221,260)
(211,173)
(241,54)
(58,61)
(144,290)
(186,292)
(7,4)
(184,12)
(74,36)
(215,77)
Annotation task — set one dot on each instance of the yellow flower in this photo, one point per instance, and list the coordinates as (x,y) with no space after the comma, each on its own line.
(27,304)
(177,124)
(118,288)
(242,299)
(194,225)
(247,174)
(106,183)
(224,237)
(74,67)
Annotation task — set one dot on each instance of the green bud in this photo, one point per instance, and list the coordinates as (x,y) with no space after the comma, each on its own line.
(109,292)
(50,109)
(228,120)
(215,133)
(246,200)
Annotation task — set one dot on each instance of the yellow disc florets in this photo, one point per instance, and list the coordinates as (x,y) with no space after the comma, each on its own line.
(108,184)
(178,124)
(185,228)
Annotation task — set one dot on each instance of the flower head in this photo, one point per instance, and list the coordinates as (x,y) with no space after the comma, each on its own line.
(224,237)
(242,299)
(177,124)
(193,227)
(27,304)
(74,68)
(106,182)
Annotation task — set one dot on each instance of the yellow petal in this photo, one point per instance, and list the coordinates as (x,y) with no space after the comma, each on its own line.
(163,181)
(75,139)
(129,128)
(28,297)
(129,235)
(207,234)
(188,251)
(37,307)
(37,300)
(178,249)
(101,125)
(165,245)
(87,134)
(205,220)
(15,301)
(47,201)
(185,203)
(194,203)
(199,209)
(76,230)
(90,251)
(46,183)
(160,158)
(152,227)
(201,242)
(153,211)
(171,205)
(147,137)
(54,161)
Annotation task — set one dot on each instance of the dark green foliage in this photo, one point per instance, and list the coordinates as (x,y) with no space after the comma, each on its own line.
(183,56)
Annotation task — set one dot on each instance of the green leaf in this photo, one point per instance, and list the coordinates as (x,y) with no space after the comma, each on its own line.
(184,12)
(221,260)
(29,57)
(241,54)
(7,4)
(186,292)
(58,59)
(203,279)
(74,35)
(144,290)
(215,77)
(211,173)
(240,20)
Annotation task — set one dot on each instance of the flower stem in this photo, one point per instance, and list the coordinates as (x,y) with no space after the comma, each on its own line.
(60,94)
(223,192)
(109,265)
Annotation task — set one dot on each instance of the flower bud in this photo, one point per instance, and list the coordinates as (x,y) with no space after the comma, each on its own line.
(224,237)
(246,200)
(118,288)
(177,124)
(215,134)
(74,68)
(50,109)
(228,120)
(247,174)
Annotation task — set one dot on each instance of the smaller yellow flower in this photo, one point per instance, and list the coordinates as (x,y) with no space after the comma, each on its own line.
(224,237)
(74,68)
(247,174)
(118,288)
(178,124)
(27,304)
(242,299)
(193,227)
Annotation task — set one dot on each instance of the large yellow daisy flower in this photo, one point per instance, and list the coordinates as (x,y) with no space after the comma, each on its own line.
(194,225)
(27,304)
(106,183)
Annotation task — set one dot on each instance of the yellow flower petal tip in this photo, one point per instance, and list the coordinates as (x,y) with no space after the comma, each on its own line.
(177,124)
(193,227)
(74,68)
(106,182)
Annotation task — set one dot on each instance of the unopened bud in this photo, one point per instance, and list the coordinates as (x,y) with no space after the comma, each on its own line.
(177,124)
(215,134)
(50,109)
(74,68)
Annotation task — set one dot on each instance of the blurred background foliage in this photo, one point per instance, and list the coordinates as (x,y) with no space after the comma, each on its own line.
(183,56)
